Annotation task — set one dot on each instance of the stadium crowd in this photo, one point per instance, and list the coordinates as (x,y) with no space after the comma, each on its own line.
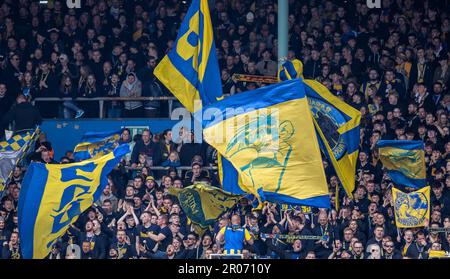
(392,64)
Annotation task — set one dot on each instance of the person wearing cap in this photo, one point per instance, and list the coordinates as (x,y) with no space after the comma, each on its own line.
(150,189)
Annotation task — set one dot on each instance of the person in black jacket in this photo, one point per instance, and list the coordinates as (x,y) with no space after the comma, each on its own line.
(323,247)
(389,251)
(12,249)
(90,90)
(47,87)
(6,99)
(166,146)
(145,146)
(23,114)
(313,67)
(295,253)
(5,234)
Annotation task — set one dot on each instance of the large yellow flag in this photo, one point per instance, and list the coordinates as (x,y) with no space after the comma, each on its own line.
(268,135)
(53,197)
(411,209)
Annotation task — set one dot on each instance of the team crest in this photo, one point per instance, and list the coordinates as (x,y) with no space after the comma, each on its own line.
(329,120)
(411,209)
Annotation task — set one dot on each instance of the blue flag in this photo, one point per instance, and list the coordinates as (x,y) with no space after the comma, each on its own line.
(53,197)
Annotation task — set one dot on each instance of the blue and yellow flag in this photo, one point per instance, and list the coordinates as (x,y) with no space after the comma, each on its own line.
(191,70)
(337,126)
(204,204)
(16,142)
(96,144)
(405,161)
(274,150)
(12,151)
(411,209)
(291,70)
(336,123)
(53,196)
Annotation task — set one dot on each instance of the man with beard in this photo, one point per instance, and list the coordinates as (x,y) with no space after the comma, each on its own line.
(121,245)
(373,81)
(358,250)
(12,249)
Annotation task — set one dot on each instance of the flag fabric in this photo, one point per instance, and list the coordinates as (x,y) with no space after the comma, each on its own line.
(290,70)
(229,176)
(404,160)
(96,144)
(191,69)
(411,209)
(53,196)
(274,150)
(336,123)
(204,204)
(12,152)
(16,142)
(337,126)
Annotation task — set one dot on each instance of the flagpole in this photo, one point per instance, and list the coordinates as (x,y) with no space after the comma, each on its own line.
(283,31)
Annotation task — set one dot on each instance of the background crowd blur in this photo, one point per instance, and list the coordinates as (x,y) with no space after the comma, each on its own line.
(392,64)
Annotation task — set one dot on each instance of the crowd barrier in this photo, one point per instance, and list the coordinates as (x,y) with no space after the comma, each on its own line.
(179,169)
(101,101)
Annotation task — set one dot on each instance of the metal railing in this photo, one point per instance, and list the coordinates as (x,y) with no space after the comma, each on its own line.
(179,169)
(102,100)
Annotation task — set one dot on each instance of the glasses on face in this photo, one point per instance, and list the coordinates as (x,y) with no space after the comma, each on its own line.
(389,246)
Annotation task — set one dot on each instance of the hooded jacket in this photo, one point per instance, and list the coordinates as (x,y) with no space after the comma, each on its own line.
(131,90)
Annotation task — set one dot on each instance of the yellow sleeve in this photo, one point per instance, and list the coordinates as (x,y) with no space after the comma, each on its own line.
(247,235)
(222,230)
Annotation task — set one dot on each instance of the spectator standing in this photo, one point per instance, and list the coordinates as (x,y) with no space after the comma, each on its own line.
(132,87)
